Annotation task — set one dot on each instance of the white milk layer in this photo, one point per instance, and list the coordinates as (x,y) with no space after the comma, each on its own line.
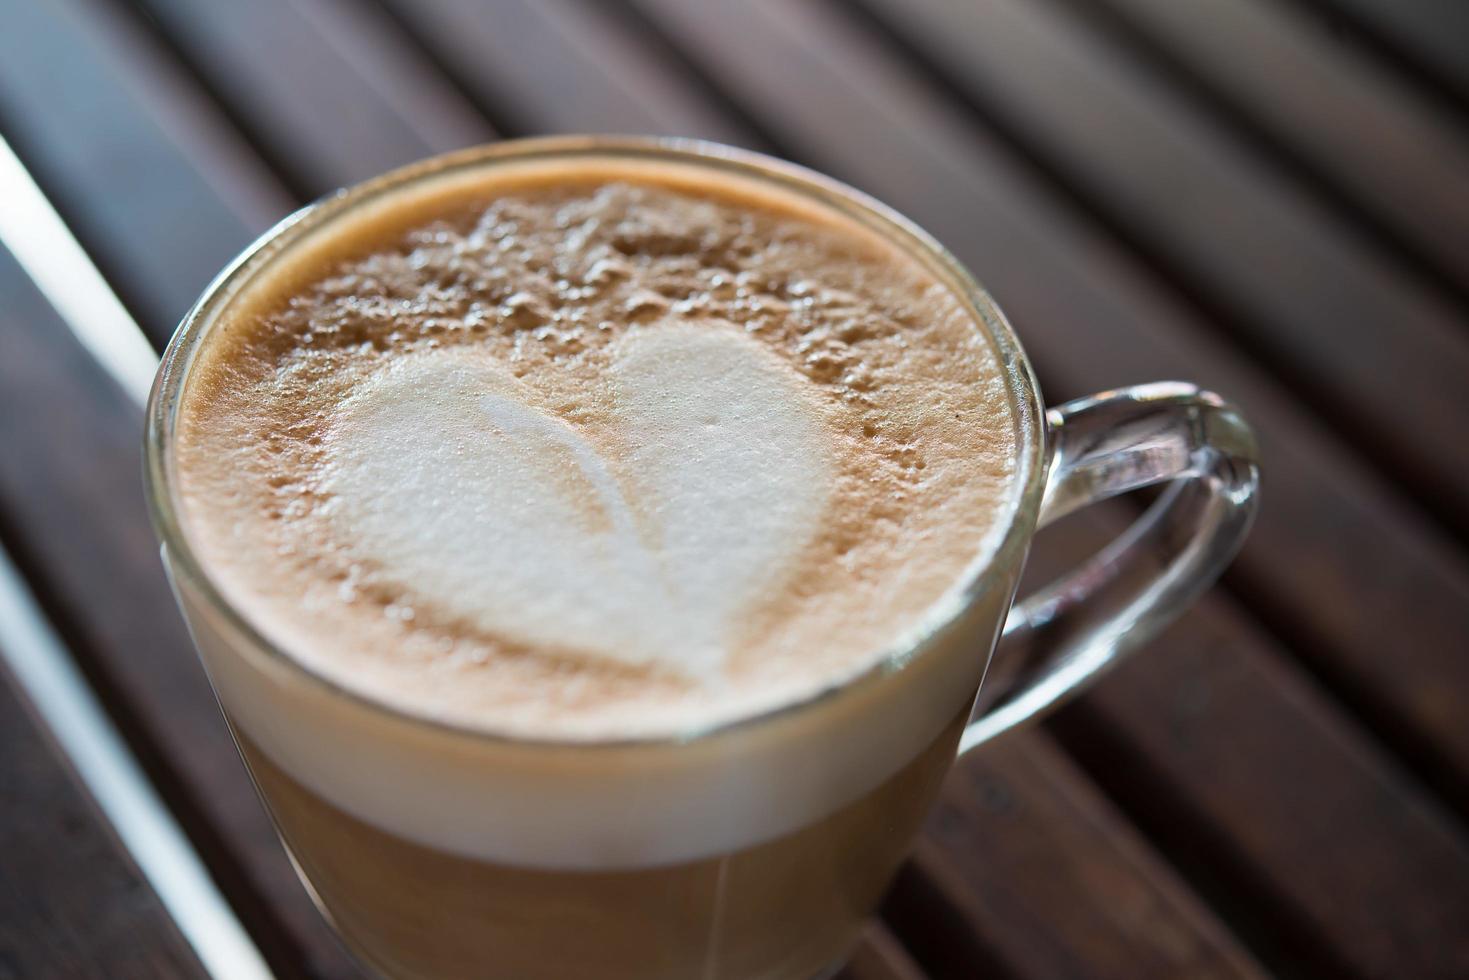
(604,807)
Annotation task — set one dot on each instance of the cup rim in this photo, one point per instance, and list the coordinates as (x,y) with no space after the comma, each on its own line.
(988,568)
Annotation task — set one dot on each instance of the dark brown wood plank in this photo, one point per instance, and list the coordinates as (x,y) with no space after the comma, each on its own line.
(881,957)
(1430,33)
(291,68)
(72,903)
(72,510)
(1350,120)
(1020,833)
(1094,320)
(128,152)
(1369,344)
(562,65)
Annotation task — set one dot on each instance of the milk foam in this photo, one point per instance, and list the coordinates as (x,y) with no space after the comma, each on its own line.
(455,476)
(616,454)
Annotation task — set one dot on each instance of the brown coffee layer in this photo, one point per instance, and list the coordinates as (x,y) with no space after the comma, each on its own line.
(785,908)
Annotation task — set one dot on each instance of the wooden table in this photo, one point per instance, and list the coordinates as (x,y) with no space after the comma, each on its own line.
(1270,197)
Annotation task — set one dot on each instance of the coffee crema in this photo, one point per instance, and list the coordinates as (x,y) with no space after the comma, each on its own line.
(597,451)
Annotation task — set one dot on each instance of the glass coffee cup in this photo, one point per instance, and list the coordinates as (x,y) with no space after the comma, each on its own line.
(748,849)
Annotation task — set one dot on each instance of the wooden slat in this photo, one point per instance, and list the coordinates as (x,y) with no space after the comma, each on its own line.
(881,957)
(1340,111)
(561,65)
(1019,834)
(291,68)
(130,155)
(71,503)
(1094,320)
(72,904)
(1433,34)
(1373,347)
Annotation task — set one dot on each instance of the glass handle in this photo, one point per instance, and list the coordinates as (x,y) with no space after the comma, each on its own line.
(1060,639)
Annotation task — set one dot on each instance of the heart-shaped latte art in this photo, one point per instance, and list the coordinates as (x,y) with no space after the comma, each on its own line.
(450,474)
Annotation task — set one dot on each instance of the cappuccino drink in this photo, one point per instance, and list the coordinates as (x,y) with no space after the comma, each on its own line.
(598,534)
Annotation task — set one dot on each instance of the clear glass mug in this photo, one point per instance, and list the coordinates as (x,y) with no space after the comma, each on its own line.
(754,849)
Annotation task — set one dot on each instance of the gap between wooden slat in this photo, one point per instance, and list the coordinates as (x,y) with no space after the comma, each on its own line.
(880,956)
(1399,39)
